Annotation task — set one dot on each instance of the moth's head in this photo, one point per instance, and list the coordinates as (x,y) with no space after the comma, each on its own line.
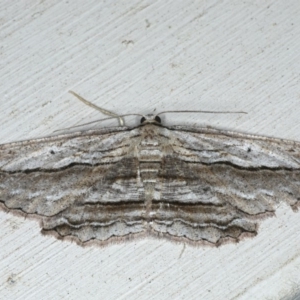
(150,119)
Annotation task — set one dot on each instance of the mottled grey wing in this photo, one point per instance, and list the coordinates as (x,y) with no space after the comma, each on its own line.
(79,185)
(217,184)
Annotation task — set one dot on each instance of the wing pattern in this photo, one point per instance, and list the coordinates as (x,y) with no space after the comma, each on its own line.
(79,185)
(180,183)
(217,185)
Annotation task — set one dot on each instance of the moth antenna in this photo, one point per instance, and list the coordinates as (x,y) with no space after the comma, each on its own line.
(96,121)
(104,111)
(202,111)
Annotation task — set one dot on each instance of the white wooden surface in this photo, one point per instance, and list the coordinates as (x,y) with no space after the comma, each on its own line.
(144,56)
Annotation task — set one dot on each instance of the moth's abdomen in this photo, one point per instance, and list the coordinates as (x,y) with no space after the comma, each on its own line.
(149,171)
(150,154)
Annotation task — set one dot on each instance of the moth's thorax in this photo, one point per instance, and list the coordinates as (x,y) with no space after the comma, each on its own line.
(150,147)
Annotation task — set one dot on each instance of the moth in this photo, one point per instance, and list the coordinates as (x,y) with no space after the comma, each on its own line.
(189,184)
